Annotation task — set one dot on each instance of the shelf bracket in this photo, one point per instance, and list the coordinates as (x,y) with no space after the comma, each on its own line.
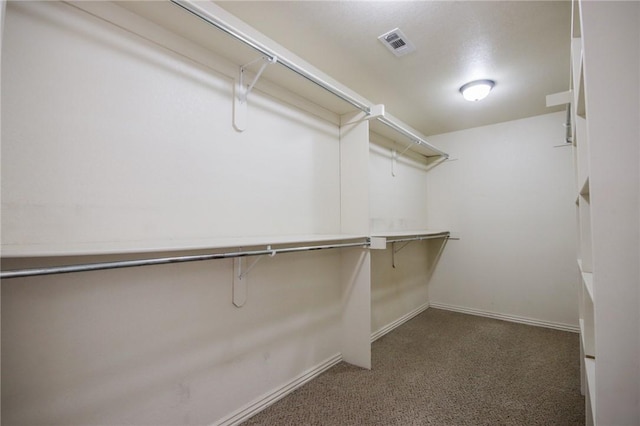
(395,250)
(375,111)
(240,278)
(394,159)
(241,92)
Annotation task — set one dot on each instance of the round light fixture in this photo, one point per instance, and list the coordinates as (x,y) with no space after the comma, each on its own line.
(477,90)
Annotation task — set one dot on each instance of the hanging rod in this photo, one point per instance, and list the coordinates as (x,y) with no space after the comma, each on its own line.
(425,237)
(414,138)
(209,18)
(86,267)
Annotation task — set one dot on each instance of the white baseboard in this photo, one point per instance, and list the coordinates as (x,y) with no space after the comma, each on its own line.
(389,327)
(505,317)
(270,398)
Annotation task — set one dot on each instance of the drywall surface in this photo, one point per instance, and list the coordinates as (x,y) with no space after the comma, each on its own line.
(126,140)
(398,202)
(398,188)
(509,194)
(399,283)
(108,137)
(162,344)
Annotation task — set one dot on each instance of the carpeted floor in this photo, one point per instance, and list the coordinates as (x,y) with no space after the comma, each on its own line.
(446,368)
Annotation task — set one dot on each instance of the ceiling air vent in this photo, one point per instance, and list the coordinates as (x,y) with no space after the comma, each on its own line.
(397,42)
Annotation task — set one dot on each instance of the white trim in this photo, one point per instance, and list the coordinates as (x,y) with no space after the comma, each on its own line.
(270,398)
(510,318)
(389,327)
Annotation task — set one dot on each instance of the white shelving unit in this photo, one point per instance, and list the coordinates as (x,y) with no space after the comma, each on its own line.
(170,28)
(581,157)
(130,247)
(605,138)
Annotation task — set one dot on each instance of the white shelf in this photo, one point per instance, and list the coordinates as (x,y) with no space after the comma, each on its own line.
(240,44)
(423,148)
(606,153)
(584,188)
(576,64)
(412,233)
(131,247)
(128,247)
(587,279)
(581,140)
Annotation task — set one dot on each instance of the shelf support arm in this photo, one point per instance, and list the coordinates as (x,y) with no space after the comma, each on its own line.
(394,159)
(240,278)
(241,92)
(395,250)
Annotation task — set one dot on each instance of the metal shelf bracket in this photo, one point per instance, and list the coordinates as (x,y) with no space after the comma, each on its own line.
(395,250)
(394,158)
(241,92)
(240,278)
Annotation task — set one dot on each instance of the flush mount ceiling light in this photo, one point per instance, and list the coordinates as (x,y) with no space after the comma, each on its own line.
(477,90)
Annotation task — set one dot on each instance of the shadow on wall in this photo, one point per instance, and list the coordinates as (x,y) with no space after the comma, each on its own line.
(399,290)
(147,344)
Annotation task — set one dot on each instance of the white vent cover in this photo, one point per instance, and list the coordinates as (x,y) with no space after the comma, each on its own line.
(397,42)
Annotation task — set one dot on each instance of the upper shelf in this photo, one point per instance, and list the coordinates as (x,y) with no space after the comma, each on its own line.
(402,134)
(240,44)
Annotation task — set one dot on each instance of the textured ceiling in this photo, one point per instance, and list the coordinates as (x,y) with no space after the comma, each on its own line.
(522,45)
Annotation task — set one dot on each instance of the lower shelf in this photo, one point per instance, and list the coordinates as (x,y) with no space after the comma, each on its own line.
(128,247)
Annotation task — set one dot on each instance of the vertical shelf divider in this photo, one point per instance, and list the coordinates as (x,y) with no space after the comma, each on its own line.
(354,218)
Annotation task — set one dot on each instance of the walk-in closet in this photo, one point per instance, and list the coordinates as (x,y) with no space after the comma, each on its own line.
(210,207)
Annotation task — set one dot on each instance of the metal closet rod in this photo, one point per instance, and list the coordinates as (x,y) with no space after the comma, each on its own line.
(427,237)
(221,25)
(416,139)
(86,267)
(207,17)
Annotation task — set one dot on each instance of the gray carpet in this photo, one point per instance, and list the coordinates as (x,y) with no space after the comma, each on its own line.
(447,368)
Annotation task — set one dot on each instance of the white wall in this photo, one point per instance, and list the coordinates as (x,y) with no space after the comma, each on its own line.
(510,196)
(109,138)
(149,135)
(162,345)
(398,293)
(398,202)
